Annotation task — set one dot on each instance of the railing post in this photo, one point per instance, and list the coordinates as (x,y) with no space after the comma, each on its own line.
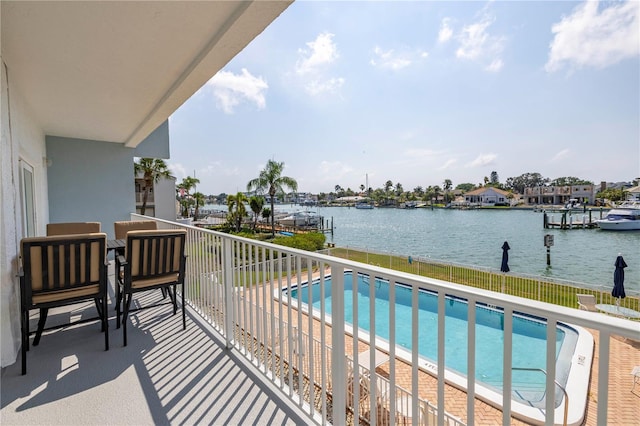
(227,261)
(338,370)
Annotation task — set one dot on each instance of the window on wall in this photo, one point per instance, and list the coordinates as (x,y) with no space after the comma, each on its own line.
(27,194)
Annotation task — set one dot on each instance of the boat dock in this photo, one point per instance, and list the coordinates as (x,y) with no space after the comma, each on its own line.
(568,219)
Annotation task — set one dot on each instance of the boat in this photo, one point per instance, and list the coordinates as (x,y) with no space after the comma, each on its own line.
(625,217)
(364,205)
(300,219)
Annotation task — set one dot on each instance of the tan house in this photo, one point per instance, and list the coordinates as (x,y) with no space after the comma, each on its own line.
(488,196)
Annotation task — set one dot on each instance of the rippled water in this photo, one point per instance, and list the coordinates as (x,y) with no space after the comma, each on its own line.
(475,237)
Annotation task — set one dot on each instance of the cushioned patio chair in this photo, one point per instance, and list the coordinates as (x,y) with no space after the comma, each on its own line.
(587,302)
(152,259)
(72,228)
(121,228)
(61,270)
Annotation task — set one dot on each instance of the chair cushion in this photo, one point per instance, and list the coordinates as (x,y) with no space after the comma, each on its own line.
(55,296)
(150,282)
(72,228)
(121,228)
(36,254)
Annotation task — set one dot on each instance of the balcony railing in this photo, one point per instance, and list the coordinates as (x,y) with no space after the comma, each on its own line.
(236,285)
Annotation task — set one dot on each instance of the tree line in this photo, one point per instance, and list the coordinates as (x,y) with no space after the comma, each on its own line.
(272,184)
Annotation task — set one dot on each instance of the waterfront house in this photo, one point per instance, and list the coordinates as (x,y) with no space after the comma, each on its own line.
(559,195)
(487,196)
(87,86)
(633,194)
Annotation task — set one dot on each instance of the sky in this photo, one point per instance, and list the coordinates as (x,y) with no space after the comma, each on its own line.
(419,92)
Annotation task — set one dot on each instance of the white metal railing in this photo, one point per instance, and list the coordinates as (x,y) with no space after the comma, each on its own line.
(231,282)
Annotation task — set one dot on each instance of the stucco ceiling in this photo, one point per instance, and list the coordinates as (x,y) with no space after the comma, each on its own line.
(114,71)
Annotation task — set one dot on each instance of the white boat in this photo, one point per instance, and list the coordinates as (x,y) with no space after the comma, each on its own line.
(363,205)
(300,219)
(625,217)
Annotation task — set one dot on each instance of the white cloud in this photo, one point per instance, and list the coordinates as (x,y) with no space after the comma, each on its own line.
(313,65)
(333,171)
(477,44)
(495,66)
(420,153)
(447,164)
(178,171)
(590,37)
(320,52)
(483,160)
(231,89)
(445,32)
(564,154)
(393,60)
(317,87)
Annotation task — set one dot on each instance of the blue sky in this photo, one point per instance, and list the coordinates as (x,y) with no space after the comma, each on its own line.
(420,92)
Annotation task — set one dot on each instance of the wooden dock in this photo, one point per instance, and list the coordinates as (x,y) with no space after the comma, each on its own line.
(571,220)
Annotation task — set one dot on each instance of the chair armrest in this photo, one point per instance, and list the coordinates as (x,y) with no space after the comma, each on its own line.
(121,260)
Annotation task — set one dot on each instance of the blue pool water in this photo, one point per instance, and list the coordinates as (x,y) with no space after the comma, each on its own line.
(529,334)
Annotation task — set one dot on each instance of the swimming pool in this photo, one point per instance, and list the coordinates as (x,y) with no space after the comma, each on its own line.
(529,335)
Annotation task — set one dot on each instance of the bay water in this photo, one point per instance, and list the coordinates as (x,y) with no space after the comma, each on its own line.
(475,238)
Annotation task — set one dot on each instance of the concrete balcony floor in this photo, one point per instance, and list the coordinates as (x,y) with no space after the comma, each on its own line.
(164,376)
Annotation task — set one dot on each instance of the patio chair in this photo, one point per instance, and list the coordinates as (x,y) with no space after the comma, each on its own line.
(587,302)
(121,228)
(152,259)
(58,271)
(72,228)
(636,376)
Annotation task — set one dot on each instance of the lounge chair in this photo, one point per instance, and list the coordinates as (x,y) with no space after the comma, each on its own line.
(61,270)
(587,302)
(363,382)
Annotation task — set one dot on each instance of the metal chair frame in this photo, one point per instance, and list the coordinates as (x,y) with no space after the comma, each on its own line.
(154,252)
(57,270)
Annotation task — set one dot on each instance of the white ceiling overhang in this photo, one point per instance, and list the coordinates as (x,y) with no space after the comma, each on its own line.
(114,71)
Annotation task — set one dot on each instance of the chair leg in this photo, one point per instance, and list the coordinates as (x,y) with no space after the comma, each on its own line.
(118,300)
(175,300)
(43,318)
(164,292)
(98,303)
(105,323)
(125,313)
(25,338)
(184,310)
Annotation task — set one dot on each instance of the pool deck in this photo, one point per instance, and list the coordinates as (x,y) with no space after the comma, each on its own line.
(623,405)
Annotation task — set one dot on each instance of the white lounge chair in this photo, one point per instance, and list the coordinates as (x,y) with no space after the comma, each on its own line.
(587,302)
(636,376)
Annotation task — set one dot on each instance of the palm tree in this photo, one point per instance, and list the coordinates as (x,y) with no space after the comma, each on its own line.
(272,182)
(152,169)
(446,185)
(237,209)
(186,186)
(199,199)
(256,203)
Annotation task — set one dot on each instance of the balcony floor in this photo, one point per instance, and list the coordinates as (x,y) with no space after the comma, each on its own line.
(164,376)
